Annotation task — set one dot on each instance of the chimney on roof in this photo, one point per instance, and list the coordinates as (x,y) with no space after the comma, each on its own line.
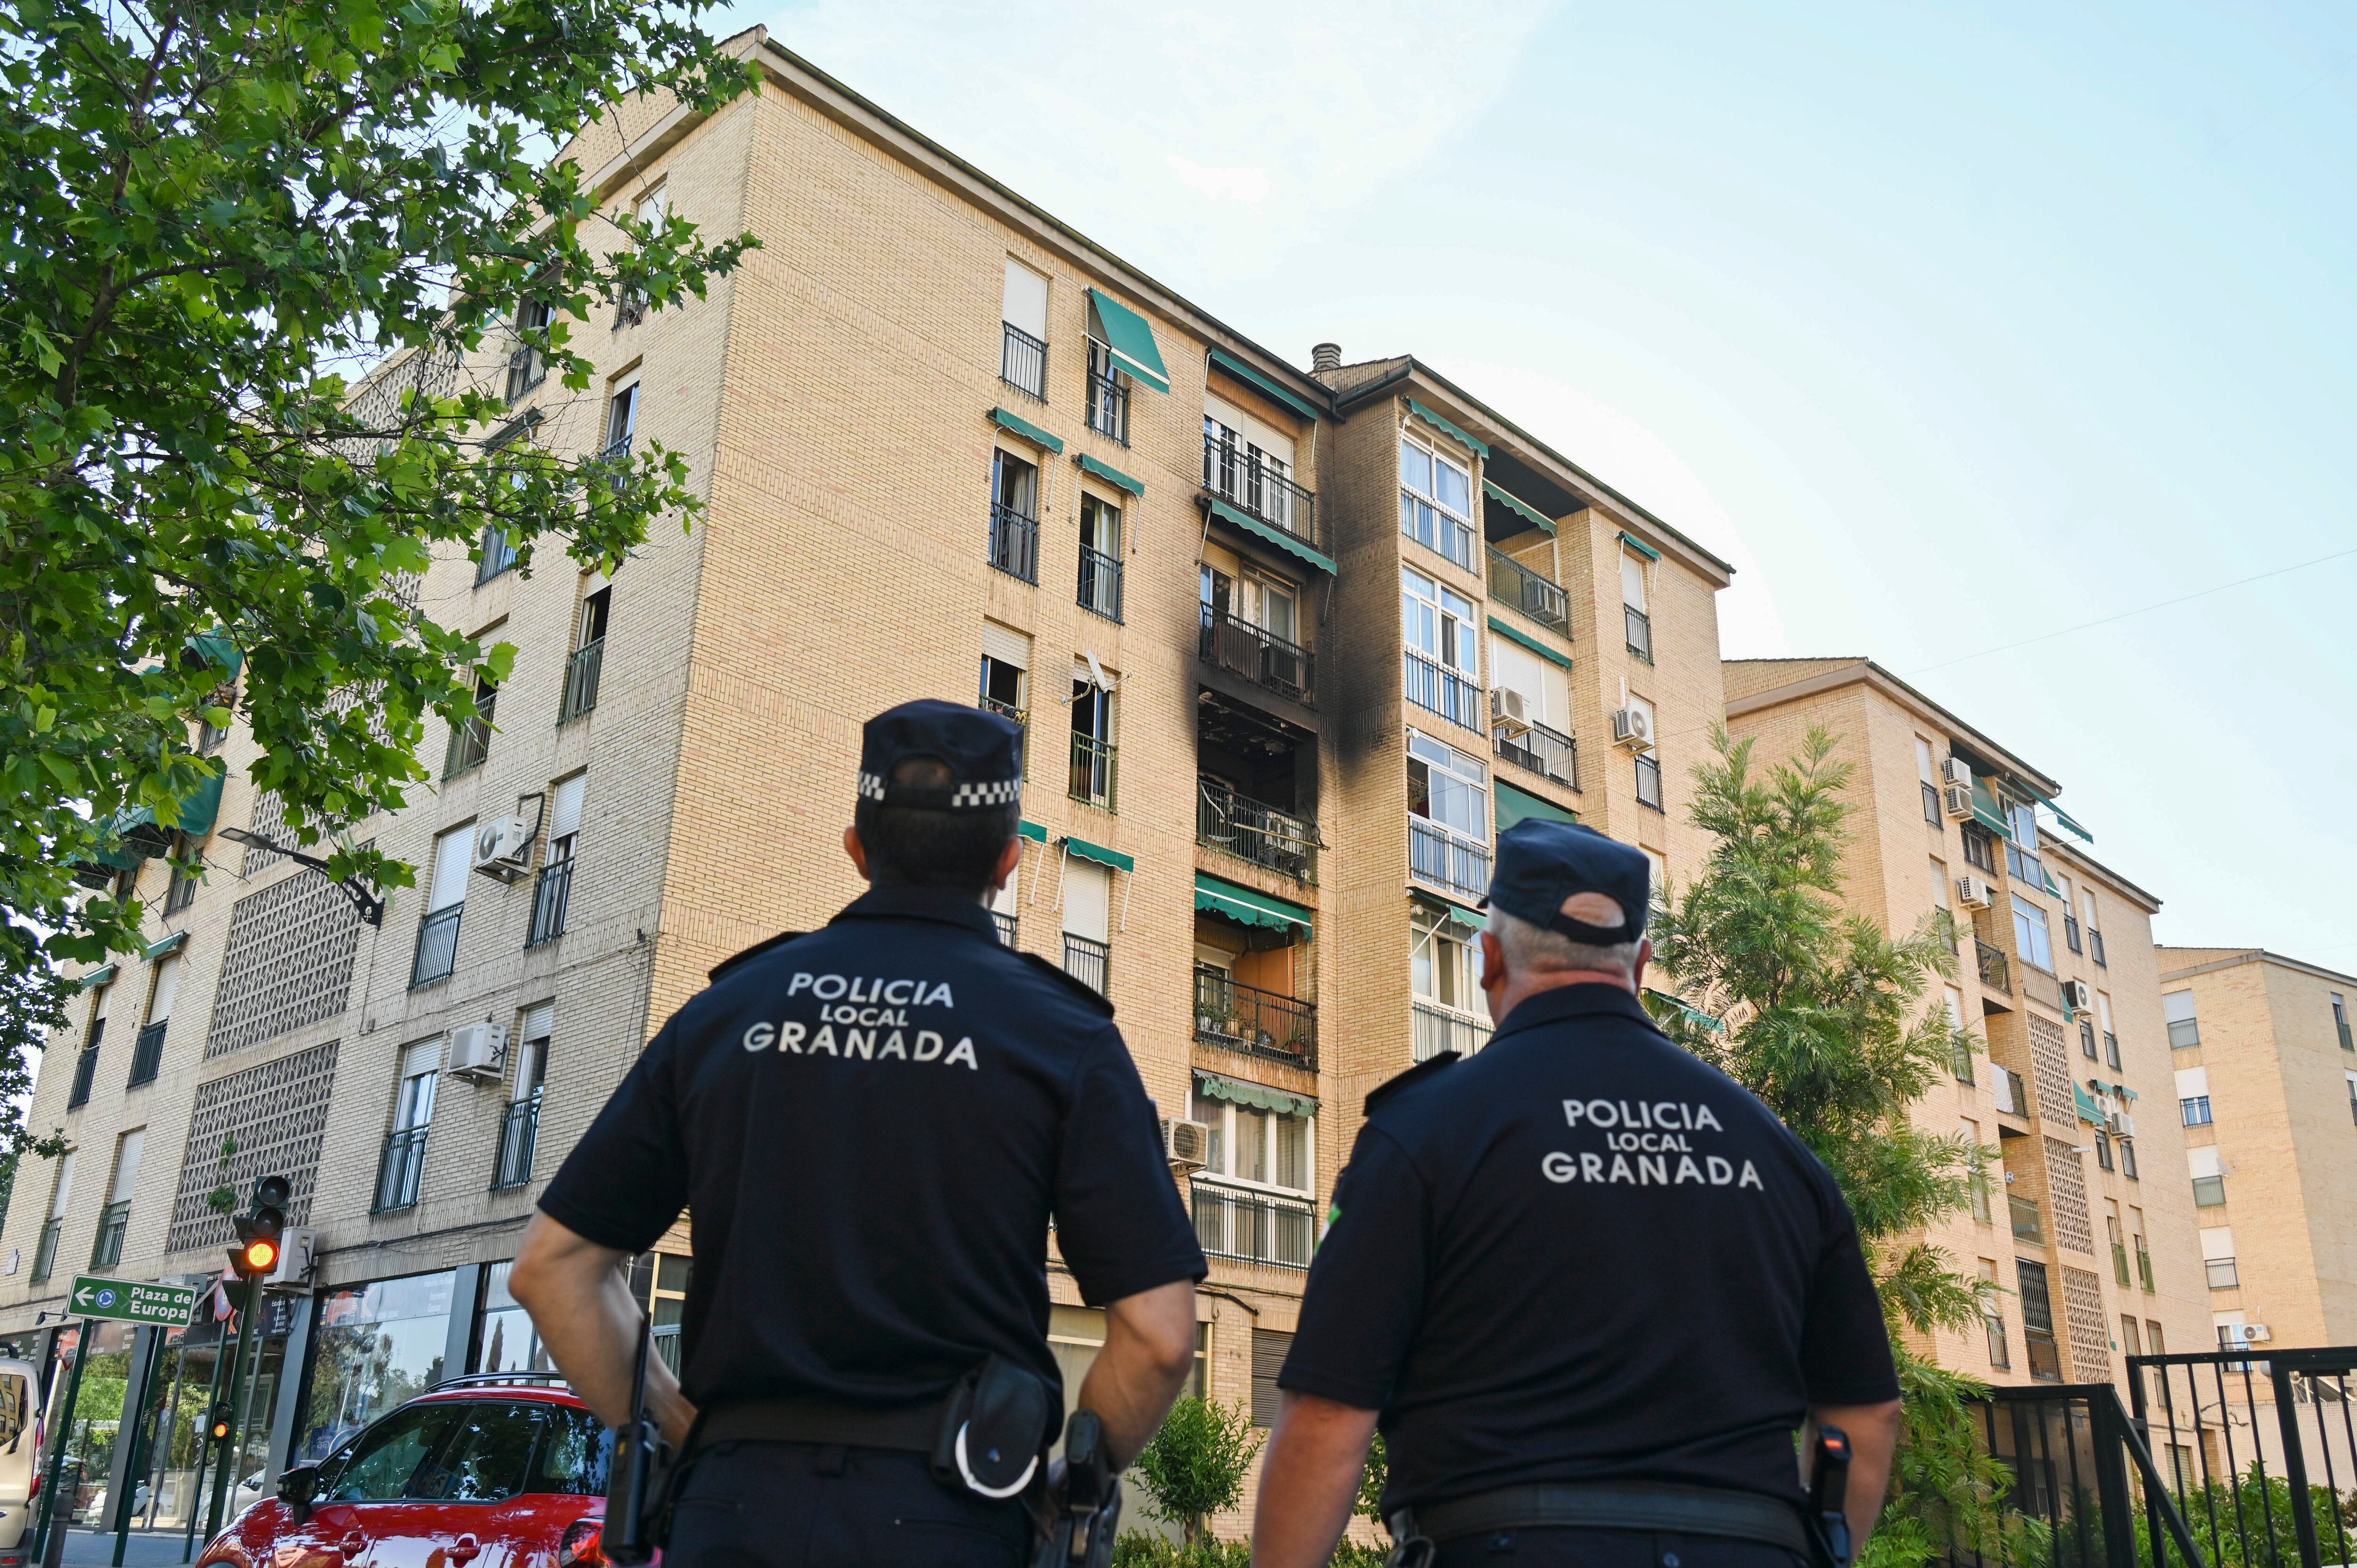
(1325,356)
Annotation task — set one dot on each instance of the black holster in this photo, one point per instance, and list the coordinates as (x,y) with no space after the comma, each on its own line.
(1086,1515)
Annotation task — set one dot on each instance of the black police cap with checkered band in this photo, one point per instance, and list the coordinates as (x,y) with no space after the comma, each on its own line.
(982,750)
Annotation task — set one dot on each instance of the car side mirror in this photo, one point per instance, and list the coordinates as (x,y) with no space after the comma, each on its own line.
(298,1489)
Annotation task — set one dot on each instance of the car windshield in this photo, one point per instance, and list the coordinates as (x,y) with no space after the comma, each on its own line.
(450,1451)
(379,1464)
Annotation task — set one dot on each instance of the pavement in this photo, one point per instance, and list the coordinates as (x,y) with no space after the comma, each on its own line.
(95,1549)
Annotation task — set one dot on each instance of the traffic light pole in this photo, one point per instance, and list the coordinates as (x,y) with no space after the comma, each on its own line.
(62,1433)
(236,1386)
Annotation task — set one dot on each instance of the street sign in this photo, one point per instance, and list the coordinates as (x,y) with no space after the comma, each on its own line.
(132,1301)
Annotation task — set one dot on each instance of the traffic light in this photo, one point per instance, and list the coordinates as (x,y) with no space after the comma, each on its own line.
(258,1232)
(218,1429)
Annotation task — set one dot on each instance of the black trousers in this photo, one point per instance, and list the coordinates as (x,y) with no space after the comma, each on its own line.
(798,1505)
(1609,1549)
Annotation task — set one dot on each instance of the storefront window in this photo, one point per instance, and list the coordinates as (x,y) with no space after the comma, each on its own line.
(377,1344)
(510,1342)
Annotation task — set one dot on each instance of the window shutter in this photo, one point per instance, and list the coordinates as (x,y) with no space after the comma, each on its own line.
(564,812)
(1006,645)
(1269,1349)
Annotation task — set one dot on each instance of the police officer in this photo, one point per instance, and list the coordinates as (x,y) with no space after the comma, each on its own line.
(1591,1283)
(872,1125)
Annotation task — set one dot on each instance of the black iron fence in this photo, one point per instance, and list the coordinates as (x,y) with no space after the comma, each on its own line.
(147,1054)
(1528,592)
(398,1173)
(85,1069)
(1440,857)
(1541,750)
(1640,632)
(1258,655)
(1443,692)
(1109,407)
(519,1131)
(1250,830)
(552,895)
(1015,542)
(1088,961)
(1252,484)
(581,673)
(1258,1227)
(1259,1023)
(1023,361)
(437,945)
(1099,582)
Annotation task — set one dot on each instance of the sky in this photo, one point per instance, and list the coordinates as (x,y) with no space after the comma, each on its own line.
(1953,328)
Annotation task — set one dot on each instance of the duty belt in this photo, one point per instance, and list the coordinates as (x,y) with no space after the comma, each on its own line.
(1606,1504)
(910,1427)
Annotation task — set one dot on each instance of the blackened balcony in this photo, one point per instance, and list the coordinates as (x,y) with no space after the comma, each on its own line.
(1253,1227)
(1023,361)
(1015,542)
(1252,831)
(581,673)
(1996,972)
(1255,1021)
(1442,692)
(1255,487)
(1541,750)
(1259,656)
(1438,856)
(1640,632)
(519,1131)
(551,892)
(399,1172)
(1518,587)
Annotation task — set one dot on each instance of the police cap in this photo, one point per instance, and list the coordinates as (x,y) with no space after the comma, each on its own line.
(1542,866)
(982,752)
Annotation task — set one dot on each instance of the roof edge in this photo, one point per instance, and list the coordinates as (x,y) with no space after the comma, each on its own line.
(1891,685)
(2250,955)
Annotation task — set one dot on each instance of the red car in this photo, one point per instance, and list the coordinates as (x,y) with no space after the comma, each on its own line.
(482,1472)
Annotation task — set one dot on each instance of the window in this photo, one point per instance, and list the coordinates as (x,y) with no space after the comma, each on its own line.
(2021,852)
(2087,1039)
(1939,869)
(1269,1148)
(621,422)
(2070,914)
(45,1256)
(2218,1257)
(1099,557)
(1005,672)
(2118,1243)
(1023,343)
(1006,905)
(86,1059)
(2029,934)
(1436,500)
(2158,1344)
(1448,825)
(494,555)
(2038,1320)
(584,669)
(527,368)
(1980,846)
(446,903)
(182,890)
(1977,1184)
(1093,752)
(1649,762)
(413,1116)
(2209,1170)
(2196,1110)
(470,739)
(147,1055)
(1637,622)
(2184,1029)
(1014,515)
(1960,1051)
(1445,963)
(1108,394)
(115,1218)
(389,1455)
(2094,927)
(1927,772)
(1251,463)
(2351,1077)
(1075,1336)
(2130,1340)
(1443,661)
(520,1123)
(1993,1316)
(1545,686)
(2128,1159)
(2104,1156)
(553,888)
(2341,1023)
(2193,1082)
(1088,924)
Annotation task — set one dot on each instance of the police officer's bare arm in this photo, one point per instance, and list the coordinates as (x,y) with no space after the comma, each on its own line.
(1309,1480)
(1149,1353)
(1873,1432)
(583,1308)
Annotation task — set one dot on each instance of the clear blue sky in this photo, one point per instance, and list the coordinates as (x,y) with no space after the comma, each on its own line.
(1952,326)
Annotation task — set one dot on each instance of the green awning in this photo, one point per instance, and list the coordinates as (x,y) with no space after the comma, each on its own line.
(216,649)
(1026,429)
(1113,475)
(1520,806)
(2085,1103)
(1471,919)
(1438,423)
(1988,812)
(168,945)
(1276,536)
(1033,832)
(2063,817)
(1532,643)
(197,810)
(1640,546)
(1236,1092)
(1529,511)
(1216,896)
(96,977)
(1100,855)
(1245,373)
(2052,886)
(1131,340)
(1692,1015)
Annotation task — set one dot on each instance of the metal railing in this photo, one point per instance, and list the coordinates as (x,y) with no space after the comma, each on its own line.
(1250,830)
(85,1071)
(2222,1272)
(519,1131)
(1442,692)
(2078,1471)
(2259,1449)
(114,1221)
(1541,750)
(1436,1030)
(1640,632)
(1259,1023)
(1523,589)
(1649,781)
(1099,582)
(45,1255)
(147,1054)
(1109,408)
(470,740)
(399,1171)
(2041,985)
(2069,930)
(497,554)
(1259,656)
(666,1337)
(1006,927)
(437,945)
(1014,543)
(1438,856)
(1996,972)
(1023,361)
(1254,1227)
(581,672)
(1251,485)
(2111,1048)
(1094,778)
(2095,948)
(1088,961)
(1436,530)
(551,893)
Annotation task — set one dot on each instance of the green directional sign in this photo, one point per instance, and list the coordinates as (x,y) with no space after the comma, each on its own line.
(132,1301)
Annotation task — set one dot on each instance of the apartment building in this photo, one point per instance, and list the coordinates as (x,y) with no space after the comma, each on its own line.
(2083,1229)
(1290,646)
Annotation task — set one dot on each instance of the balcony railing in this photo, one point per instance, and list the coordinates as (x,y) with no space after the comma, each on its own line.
(147,1054)
(1443,692)
(2144,1266)
(1248,829)
(1006,927)
(497,554)
(471,742)
(2069,928)
(552,892)
(1109,408)
(1640,632)
(1099,582)
(1521,589)
(1094,778)
(581,672)
(2223,1274)
(400,1169)
(45,1255)
(1649,781)
(113,1221)
(519,1130)
(1088,961)
(1261,657)
(437,945)
(1541,750)
(1438,856)
(1250,485)
(1023,361)
(2040,986)
(2095,948)
(1996,973)
(1255,1227)
(85,1069)
(1259,1023)
(1438,1029)
(1015,542)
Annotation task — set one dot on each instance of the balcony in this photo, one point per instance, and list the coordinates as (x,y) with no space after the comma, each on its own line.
(1014,543)
(1100,583)
(399,1171)
(2040,986)
(147,1054)
(437,945)
(1253,1227)
(1088,961)
(1438,856)
(1255,1022)
(1442,692)
(1259,656)
(1519,588)
(1440,1029)
(519,1131)
(1093,777)
(581,672)
(1649,781)
(471,742)
(45,1255)
(1996,972)
(1249,831)
(1109,407)
(85,1069)
(1640,632)
(113,1221)
(552,892)
(1541,750)
(1258,491)
(1023,361)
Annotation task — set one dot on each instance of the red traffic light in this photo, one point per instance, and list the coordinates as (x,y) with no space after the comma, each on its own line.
(219,1427)
(259,1257)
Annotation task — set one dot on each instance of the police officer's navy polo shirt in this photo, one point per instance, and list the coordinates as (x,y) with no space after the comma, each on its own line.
(1585,1255)
(871,1126)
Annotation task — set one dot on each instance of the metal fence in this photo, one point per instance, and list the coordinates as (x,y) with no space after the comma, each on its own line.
(1528,592)
(1088,961)
(551,893)
(1258,1227)
(399,1172)
(437,945)
(1252,831)
(1015,542)
(519,1131)
(581,675)
(1023,361)
(1255,653)
(1256,1022)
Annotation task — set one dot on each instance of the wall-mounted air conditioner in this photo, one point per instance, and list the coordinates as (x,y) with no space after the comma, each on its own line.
(478,1050)
(1974,892)
(1186,1144)
(504,847)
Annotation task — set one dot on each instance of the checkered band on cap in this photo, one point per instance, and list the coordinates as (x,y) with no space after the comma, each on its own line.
(980,752)
(871,787)
(1000,792)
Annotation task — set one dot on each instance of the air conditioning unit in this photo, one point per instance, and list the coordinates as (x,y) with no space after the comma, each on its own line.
(2123,1124)
(504,847)
(1633,728)
(1508,711)
(1956,800)
(296,1245)
(2256,1334)
(2078,996)
(1973,892)
(478,1050)
(1957,770)
(1186,1144)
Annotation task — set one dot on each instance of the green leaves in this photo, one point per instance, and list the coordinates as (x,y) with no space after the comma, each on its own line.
(1195,1466)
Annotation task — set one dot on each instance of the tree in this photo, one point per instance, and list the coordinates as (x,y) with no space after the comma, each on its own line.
(1819,1014)
(217,212)
(1195,1466)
